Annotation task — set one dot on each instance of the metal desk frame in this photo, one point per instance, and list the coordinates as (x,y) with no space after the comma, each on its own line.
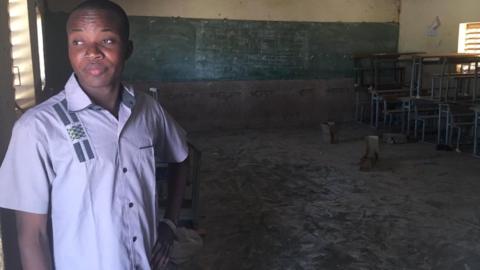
(476,131)
(376,88)
(446,61)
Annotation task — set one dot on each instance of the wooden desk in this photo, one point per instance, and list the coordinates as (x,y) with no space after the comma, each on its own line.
(419,60)
(378,96)
(367,77)
(408,103)
(447,112)
(418,63)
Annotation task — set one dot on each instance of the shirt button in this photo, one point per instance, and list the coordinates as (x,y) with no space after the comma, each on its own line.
(124,170)
(134,238)
(130,205)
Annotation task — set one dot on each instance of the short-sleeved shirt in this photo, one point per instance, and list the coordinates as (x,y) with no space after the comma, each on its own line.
(93,173)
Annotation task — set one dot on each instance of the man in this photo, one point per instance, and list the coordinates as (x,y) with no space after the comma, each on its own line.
(85,160)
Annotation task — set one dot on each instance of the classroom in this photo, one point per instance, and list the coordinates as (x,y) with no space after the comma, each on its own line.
(332,134)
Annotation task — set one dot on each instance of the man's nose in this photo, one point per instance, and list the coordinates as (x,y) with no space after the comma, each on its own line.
(93,52)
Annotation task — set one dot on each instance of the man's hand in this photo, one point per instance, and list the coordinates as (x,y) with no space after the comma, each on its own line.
(163,246)
(177,177)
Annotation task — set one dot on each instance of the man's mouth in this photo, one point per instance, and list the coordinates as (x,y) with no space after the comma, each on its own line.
(95,69)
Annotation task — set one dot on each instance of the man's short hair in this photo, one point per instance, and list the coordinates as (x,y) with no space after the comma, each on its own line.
(109,6)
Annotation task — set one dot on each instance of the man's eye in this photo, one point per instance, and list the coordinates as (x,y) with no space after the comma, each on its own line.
(77,42)
(108,41)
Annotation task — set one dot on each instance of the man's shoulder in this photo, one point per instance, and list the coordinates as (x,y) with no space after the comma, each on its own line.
(147,102)
(141,95)
(43,113)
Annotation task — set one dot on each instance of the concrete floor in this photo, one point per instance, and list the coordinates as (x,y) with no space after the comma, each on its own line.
(283,199)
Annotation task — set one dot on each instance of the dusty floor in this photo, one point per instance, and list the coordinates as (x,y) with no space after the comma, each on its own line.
(283,199)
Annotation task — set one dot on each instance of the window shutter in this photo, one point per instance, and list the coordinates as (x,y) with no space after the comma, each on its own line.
(472,38)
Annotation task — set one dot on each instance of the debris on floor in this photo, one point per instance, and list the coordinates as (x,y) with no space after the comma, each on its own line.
(283,199)
(330,132)
(187,244)
(394,138)
(372,153)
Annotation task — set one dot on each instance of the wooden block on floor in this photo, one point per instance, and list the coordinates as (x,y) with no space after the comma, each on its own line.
(370,158)
(394,138)
(330,132)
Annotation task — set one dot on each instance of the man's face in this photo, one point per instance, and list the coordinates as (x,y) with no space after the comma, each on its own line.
(96,47)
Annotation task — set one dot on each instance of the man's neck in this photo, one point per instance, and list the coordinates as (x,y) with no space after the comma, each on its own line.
(106,97)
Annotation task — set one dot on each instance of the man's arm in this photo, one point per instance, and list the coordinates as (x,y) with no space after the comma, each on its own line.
(177,178)
(33,241)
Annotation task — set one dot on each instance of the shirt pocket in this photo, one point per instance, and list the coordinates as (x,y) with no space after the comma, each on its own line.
(145,160)
(146,181)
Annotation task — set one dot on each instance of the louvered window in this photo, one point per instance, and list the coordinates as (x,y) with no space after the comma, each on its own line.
(469,38)
(27,50)
(468,42)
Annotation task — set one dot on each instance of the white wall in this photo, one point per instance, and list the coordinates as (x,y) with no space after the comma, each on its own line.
(275,10)
(417,15)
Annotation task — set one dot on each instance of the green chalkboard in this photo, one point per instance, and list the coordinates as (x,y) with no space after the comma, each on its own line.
(179,49)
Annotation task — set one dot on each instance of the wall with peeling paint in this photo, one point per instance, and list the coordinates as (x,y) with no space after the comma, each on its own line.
(416,17)
(255,104)
(293,69)
(270,10)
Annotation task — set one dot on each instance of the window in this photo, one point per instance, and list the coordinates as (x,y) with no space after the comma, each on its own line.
(28,73)
(468,42)
(469,38)
(41,56)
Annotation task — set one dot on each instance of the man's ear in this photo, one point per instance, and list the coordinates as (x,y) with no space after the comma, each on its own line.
(129,50)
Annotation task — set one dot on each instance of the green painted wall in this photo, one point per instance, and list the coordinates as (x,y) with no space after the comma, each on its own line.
(178,49)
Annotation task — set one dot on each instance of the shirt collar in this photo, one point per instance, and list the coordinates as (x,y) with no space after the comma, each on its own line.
(78,100)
